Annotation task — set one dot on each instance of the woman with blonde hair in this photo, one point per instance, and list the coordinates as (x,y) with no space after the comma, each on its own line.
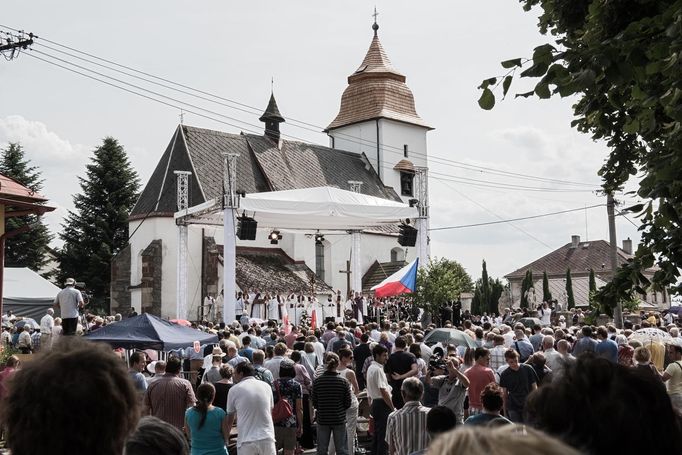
(501,440)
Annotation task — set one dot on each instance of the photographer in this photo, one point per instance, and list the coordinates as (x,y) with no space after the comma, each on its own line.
(444,375)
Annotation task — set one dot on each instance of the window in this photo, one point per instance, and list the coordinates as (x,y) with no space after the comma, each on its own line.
(319,261)
(405,151)
(406,179)
(397,255)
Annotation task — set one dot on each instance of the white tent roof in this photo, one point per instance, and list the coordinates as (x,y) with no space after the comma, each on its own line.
(324,208)
(21,283)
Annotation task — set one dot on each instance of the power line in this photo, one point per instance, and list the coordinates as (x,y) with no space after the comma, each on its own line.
(255,110)
(455,179)
(516,219)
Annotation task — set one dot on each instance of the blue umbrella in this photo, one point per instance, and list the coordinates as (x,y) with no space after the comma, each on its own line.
(31,323)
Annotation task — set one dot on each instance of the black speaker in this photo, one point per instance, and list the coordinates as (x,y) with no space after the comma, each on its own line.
(407,235)
(246,228)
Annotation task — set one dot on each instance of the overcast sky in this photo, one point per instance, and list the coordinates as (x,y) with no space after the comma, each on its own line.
(233,49)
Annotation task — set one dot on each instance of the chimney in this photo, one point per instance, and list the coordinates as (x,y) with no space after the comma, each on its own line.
(627,245)
(575,241)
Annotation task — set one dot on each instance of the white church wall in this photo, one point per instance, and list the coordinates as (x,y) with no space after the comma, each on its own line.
(358,138)
(394,136)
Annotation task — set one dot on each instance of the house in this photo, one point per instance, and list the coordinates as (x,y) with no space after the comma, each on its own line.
(580,257)
(377,142)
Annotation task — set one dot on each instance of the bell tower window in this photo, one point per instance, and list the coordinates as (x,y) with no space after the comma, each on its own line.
(406,184)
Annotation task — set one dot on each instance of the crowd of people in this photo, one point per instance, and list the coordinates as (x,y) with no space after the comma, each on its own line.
(275,386)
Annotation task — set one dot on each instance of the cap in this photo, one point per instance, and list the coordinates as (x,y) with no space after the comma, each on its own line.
(70,281)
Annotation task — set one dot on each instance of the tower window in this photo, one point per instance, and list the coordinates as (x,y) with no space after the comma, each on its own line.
(406,186)
(405,151)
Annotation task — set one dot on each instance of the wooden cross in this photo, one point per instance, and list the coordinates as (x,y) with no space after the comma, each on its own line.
(375,14)
(347,272)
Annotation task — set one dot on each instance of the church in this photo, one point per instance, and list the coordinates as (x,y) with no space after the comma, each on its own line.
(377,145)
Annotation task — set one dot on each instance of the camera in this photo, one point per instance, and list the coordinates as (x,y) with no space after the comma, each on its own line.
(437,362)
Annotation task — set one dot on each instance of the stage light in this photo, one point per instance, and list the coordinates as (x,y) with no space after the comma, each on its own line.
(319,238)
(274,237)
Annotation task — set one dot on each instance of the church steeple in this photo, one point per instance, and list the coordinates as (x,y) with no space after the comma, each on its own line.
(272,118)
(376,90)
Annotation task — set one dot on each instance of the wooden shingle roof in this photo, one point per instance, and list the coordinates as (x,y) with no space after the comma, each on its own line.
(376,90)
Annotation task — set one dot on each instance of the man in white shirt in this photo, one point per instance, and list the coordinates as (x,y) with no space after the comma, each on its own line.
(379,392)
(251,403)
(46,325)
(69,300)
(274,363)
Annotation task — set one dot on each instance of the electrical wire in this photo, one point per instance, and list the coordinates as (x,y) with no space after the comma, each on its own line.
(531,217)
(255,110)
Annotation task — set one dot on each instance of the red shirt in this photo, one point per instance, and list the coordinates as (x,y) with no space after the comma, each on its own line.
(479,377)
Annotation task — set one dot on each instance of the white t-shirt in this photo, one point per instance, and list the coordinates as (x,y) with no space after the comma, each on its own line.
(675,381)
(69,299)
(46,324)
(376,380)
(252,400)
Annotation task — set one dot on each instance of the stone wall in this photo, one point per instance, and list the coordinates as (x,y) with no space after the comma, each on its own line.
(120,282)
(152,273)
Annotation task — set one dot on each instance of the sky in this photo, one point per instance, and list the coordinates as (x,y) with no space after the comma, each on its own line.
(236,49)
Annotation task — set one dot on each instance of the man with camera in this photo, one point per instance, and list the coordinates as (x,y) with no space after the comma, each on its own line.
(69,300)
(445,376)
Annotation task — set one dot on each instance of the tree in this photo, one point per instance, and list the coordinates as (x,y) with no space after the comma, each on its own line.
(593,283)
(30,248)
(525,286)
(485,289)
(622,61)
(98,229)
(569,290)
(546,293)
(442,280)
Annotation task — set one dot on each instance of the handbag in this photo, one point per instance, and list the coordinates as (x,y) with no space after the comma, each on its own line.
(282,409)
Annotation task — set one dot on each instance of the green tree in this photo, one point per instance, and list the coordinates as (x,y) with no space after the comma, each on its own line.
(98,229)
(593,283)
(622,62)
(485,289)
(30,248)
(440,281)
(569,290)
(546,293)
(525,286)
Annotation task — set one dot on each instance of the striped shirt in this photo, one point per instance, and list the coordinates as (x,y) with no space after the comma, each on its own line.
(406,429)
(331,398)
(168,398)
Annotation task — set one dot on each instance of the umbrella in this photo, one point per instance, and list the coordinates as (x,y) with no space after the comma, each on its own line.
(184,322)
(449,336)
(677,310)
(31,323)
(651,335)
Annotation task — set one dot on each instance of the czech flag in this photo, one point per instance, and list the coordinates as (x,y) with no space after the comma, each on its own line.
(404,281)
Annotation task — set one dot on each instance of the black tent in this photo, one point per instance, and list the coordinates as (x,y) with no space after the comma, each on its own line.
(149,332)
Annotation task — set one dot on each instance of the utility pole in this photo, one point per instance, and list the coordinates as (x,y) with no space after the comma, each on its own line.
(610,208)
(12,44)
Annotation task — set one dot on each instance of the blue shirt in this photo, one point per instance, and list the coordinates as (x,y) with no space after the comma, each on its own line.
(207,440)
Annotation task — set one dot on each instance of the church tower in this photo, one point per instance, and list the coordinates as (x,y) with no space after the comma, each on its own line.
(378,118)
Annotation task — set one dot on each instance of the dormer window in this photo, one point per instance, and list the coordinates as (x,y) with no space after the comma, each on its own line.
(406,184)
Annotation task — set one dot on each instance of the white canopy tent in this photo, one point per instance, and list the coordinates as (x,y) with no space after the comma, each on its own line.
(309,209)
(26,293)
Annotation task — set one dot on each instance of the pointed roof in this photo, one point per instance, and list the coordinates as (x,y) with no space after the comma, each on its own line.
(376,90)
(272,111)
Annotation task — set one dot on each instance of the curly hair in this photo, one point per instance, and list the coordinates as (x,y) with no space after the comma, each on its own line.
(43,410)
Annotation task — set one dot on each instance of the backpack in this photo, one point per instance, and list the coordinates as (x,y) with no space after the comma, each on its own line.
(282,409)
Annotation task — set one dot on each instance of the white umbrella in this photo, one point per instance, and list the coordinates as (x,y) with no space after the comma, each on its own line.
(652,335)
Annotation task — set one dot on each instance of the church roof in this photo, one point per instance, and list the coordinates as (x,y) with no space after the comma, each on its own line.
(262,166)
(586,256)
(376,90)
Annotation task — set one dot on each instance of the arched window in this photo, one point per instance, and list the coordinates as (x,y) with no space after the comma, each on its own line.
(397,254)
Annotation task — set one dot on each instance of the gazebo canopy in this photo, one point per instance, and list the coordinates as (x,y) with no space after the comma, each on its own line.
(323,208)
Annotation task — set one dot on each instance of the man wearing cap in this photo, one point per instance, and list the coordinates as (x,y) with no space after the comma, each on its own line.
(69,300)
